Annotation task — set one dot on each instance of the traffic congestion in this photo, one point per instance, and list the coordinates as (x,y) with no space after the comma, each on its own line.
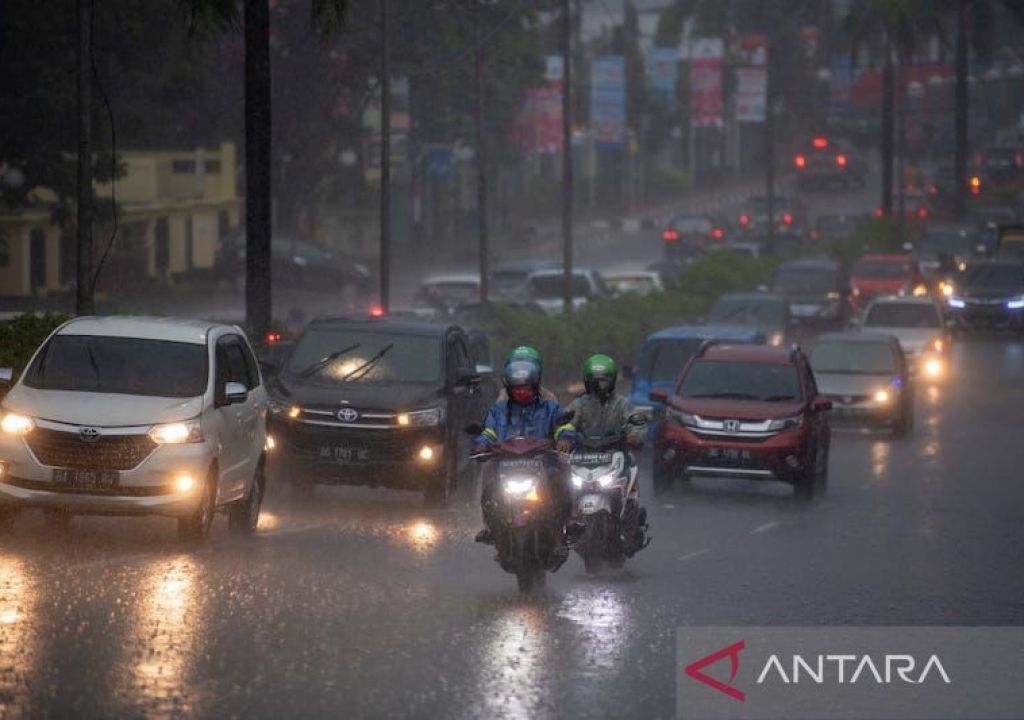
(278,455)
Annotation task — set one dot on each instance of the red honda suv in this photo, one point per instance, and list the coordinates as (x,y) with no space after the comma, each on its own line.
(744,411)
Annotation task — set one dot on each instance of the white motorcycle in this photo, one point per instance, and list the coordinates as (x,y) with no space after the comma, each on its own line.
(606,487)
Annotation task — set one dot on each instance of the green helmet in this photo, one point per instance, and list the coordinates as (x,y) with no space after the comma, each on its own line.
(525,352)
(599,375)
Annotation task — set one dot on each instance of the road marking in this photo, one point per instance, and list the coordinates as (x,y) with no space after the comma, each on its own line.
(292,530)
(765,528)
(669,506)
(694,554)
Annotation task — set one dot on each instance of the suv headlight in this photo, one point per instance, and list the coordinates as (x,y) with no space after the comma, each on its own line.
(685,419)
(421,418)
(15,424)
(787,423)
(177,433)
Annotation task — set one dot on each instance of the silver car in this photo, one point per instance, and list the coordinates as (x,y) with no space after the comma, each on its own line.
(867,379)
(918,324)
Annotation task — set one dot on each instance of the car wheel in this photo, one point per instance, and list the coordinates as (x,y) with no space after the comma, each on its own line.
(57,518)
(904,423)
(806,482)
(663,478)
(7,517)
(439,487)
(821,474)
(244,515)
(195,528)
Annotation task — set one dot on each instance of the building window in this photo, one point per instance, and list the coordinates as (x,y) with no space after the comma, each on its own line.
(183,167)
(162,251)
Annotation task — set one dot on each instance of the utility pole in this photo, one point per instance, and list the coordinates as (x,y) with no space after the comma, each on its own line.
(385,158)
(84,301)
(887,128)
(962,104)
(481,165)
(258,176)
(567,292)
(769,149)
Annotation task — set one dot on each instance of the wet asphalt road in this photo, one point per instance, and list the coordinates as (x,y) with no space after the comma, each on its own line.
(359,603)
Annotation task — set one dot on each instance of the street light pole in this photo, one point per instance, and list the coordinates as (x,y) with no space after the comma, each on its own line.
(385,158)
(567,291)
(481,166)
(84,301)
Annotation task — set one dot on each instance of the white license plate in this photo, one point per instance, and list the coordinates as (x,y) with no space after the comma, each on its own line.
(344,454)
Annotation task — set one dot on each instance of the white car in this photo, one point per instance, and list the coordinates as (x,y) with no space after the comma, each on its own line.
(546,288)
(137,416)
(641,282)
(918,324)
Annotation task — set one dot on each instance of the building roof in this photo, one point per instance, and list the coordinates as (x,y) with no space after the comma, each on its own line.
(141,327)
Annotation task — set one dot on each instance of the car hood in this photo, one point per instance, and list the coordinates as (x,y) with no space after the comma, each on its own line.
(850,383)
(100,409)
(992,293)
(737,409)
(380,396)
(911,339)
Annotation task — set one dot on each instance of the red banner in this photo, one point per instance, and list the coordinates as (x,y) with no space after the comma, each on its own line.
(706,83)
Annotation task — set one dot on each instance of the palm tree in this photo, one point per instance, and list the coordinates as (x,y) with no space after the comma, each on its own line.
(217,15)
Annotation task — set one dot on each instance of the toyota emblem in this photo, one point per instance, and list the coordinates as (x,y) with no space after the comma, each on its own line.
(89,434)
(348,415)
(731,425)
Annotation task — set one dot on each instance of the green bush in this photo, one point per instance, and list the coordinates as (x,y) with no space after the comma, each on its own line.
(20,337)
(618,326)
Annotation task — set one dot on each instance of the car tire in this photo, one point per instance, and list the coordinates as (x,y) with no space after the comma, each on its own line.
(57,519)
(904,423)
(439,487)
(821,474)
(7,517)
(663,479)
(806,483)
(195,528)
(244,515)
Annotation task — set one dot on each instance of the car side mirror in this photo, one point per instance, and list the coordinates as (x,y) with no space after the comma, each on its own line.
(234,394)
(638,419)
(484,370)
(659,396)
(822,404)
(6,378)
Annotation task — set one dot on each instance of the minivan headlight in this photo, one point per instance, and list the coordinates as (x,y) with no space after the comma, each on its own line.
(15,424)
(421,418)
(177,433)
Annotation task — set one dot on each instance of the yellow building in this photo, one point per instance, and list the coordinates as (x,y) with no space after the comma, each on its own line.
(173,209)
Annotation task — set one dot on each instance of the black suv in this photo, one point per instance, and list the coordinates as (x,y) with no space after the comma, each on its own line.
(817,291)
(377,401)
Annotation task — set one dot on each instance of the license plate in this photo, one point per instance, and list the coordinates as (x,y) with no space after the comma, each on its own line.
(731,454)
(344,454)
(804,310)
(87,479)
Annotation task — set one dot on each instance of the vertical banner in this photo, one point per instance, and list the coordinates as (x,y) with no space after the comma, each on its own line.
(840,84)
(608,100)
(706,82)
(661,65)
(751,78)
(539,128)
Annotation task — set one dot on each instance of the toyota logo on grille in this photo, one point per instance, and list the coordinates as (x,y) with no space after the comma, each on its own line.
(348,415)
(731,425)
(89,434)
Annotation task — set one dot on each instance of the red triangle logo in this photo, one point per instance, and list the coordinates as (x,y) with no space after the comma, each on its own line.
(732,652)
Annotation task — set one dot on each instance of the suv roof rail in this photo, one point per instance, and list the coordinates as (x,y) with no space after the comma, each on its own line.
(708,344)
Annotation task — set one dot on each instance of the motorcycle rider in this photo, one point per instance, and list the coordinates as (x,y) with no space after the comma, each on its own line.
(526,352)
(525,413)
(600,412)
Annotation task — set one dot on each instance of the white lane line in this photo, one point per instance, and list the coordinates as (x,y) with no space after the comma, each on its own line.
(765,528)
(291,530)
(694,554)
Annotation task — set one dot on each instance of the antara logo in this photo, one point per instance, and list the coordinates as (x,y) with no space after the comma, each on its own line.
(695,670)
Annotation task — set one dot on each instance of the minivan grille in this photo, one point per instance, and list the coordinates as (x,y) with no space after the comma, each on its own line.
(60,449)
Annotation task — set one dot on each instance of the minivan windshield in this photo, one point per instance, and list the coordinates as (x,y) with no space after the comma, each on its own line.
(127,366)
(853,357)
(737,380)
(343,355)
(902,315)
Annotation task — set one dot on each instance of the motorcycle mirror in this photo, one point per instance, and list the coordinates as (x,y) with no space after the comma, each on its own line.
(473,429)
(637,419)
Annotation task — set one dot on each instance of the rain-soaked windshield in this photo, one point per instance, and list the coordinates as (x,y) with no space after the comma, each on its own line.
(737,380)
(351,356)
(902,315)
(845,357)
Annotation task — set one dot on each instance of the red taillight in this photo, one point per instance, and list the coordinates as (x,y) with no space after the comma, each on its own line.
(670,236)
(377,311)
(841,160)
(800,161)
(877,212)
(787,219)
(1018,159)
(744,219)
(820,142)
(272,337)
(933,190)
(718,233)
(922,212)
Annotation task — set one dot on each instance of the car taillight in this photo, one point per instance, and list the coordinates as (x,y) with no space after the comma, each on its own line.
(877,212)
(975,182)
(841,160)
(922,212)
(718,233)
(670,235)
(744,219)
(272,337)
(787,219)
(800,161)
(820,142)
(377,311)
(933,190)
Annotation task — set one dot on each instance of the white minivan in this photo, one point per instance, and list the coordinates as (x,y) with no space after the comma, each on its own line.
(137,416)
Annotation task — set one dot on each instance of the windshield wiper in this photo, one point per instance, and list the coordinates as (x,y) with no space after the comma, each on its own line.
(778,398)
(95,366)
(727,396)
(366,366)
(324,361)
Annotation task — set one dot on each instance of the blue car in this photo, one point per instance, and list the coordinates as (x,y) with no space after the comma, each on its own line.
(665,353)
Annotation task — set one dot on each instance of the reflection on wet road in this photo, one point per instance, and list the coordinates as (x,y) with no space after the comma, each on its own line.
(361,603)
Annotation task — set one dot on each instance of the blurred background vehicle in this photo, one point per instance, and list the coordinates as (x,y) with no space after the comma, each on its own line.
(919,326)
(767,312)
(817,291)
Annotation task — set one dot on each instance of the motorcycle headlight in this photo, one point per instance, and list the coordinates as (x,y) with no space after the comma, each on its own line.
(787,423)
(577,481)
(606,480)
(946,288)
(15,424)
(519,485)
(421,418)
(176,433)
